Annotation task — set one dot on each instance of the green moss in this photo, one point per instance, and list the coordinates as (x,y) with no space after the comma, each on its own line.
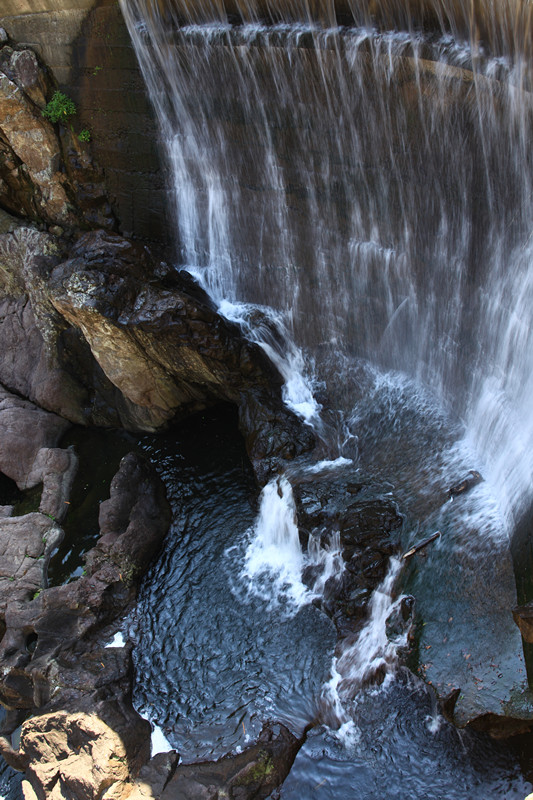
(260,772)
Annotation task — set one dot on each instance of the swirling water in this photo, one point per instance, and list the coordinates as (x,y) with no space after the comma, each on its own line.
(376,190)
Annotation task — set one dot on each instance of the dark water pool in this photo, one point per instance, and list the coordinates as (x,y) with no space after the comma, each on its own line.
(214,661)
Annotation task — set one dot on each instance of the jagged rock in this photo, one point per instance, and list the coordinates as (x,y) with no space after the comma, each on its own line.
(92,340)
(45,172)
(368,535)
(32,140)
(61,616)
(255,773)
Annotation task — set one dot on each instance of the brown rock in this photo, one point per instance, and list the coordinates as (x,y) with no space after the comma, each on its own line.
(74,755)
(25,431)
(255,773)
(523,616)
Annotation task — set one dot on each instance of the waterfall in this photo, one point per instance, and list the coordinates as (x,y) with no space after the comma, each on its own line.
(370,653)
(274,560)
(373,186)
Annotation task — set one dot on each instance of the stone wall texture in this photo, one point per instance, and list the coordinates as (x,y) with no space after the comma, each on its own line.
(86,46)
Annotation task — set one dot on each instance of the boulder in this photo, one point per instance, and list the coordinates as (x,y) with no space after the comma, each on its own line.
(254,773)
(92,340)
(26,431)
(75,756)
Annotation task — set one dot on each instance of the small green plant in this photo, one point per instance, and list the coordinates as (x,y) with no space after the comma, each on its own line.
(36,594)
(59,108)
(84,135)
(96,70)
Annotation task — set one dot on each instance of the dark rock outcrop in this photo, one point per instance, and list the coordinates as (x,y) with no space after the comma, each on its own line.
(112,337)
(368,534)
(84,736)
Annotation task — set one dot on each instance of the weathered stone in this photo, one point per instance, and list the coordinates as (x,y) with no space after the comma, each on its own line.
(29,76)
(33,141)
(74,755)
(25,431)
(60,618)
(255,773)
(55,469)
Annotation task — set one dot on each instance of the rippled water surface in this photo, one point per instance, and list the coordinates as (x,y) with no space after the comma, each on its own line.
(213,659)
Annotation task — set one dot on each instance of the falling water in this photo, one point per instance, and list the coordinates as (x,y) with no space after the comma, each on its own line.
(373,187)
(274,560)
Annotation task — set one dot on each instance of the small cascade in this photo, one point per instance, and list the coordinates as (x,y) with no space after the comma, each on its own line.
(274,559)
(266,328)
(372,653)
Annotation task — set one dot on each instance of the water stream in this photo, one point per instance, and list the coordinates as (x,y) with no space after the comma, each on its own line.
(361,201)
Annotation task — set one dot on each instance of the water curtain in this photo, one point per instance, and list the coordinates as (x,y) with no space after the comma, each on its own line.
(368,173)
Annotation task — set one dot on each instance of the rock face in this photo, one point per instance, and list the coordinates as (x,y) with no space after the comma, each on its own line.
(45,172)
(86,737)
(111,337)
(28,456)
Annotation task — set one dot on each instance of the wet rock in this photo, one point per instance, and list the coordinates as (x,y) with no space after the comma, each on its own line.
(472,479)
(368,535)
(469,649)
(255,773)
